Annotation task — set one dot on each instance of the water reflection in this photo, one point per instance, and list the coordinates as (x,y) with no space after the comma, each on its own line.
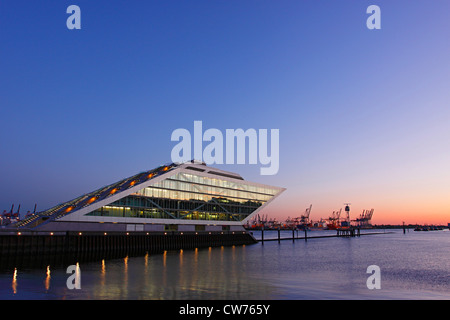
(184,274)
(14,281)
(125,274)
(323,268)
(103,273)
(47,279)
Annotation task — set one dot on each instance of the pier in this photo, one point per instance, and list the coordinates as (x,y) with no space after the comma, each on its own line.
(348,232)
(341,232)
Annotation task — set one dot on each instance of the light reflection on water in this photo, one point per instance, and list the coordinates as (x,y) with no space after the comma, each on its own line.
(413,266)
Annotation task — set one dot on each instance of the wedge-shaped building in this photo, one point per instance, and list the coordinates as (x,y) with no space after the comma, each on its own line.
(176,197)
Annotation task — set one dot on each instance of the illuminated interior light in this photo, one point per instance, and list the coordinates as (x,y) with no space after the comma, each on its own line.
(92,200)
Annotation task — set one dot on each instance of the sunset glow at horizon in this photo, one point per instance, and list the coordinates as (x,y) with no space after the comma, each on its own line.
(363,115)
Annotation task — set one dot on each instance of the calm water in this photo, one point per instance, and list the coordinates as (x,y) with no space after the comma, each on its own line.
(413,266)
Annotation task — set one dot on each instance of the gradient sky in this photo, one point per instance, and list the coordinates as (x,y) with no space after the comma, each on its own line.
(364,115)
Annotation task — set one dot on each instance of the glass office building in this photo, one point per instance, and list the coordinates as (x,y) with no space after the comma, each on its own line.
(188,194)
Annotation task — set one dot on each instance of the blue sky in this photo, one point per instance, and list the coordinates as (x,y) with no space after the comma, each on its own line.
(363,114)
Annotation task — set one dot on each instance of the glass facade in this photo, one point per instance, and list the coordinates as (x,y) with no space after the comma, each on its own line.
(193,197)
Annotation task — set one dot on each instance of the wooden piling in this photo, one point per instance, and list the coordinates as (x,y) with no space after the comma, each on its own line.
(262,235)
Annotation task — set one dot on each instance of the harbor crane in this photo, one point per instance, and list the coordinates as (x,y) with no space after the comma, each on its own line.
(363,221)
(10,217)
(333,221)
(304,219)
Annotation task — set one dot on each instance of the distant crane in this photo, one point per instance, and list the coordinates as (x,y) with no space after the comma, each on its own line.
(10,217)
(304,219)
(29,213)
(363,221)
(262,219)
(333,221)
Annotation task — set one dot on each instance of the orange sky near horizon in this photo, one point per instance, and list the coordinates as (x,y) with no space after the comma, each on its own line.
(411,211)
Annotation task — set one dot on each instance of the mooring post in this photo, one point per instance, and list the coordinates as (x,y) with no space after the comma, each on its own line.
(278,234)
(293,238)
(262,235)
(306,235)
(404,227)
